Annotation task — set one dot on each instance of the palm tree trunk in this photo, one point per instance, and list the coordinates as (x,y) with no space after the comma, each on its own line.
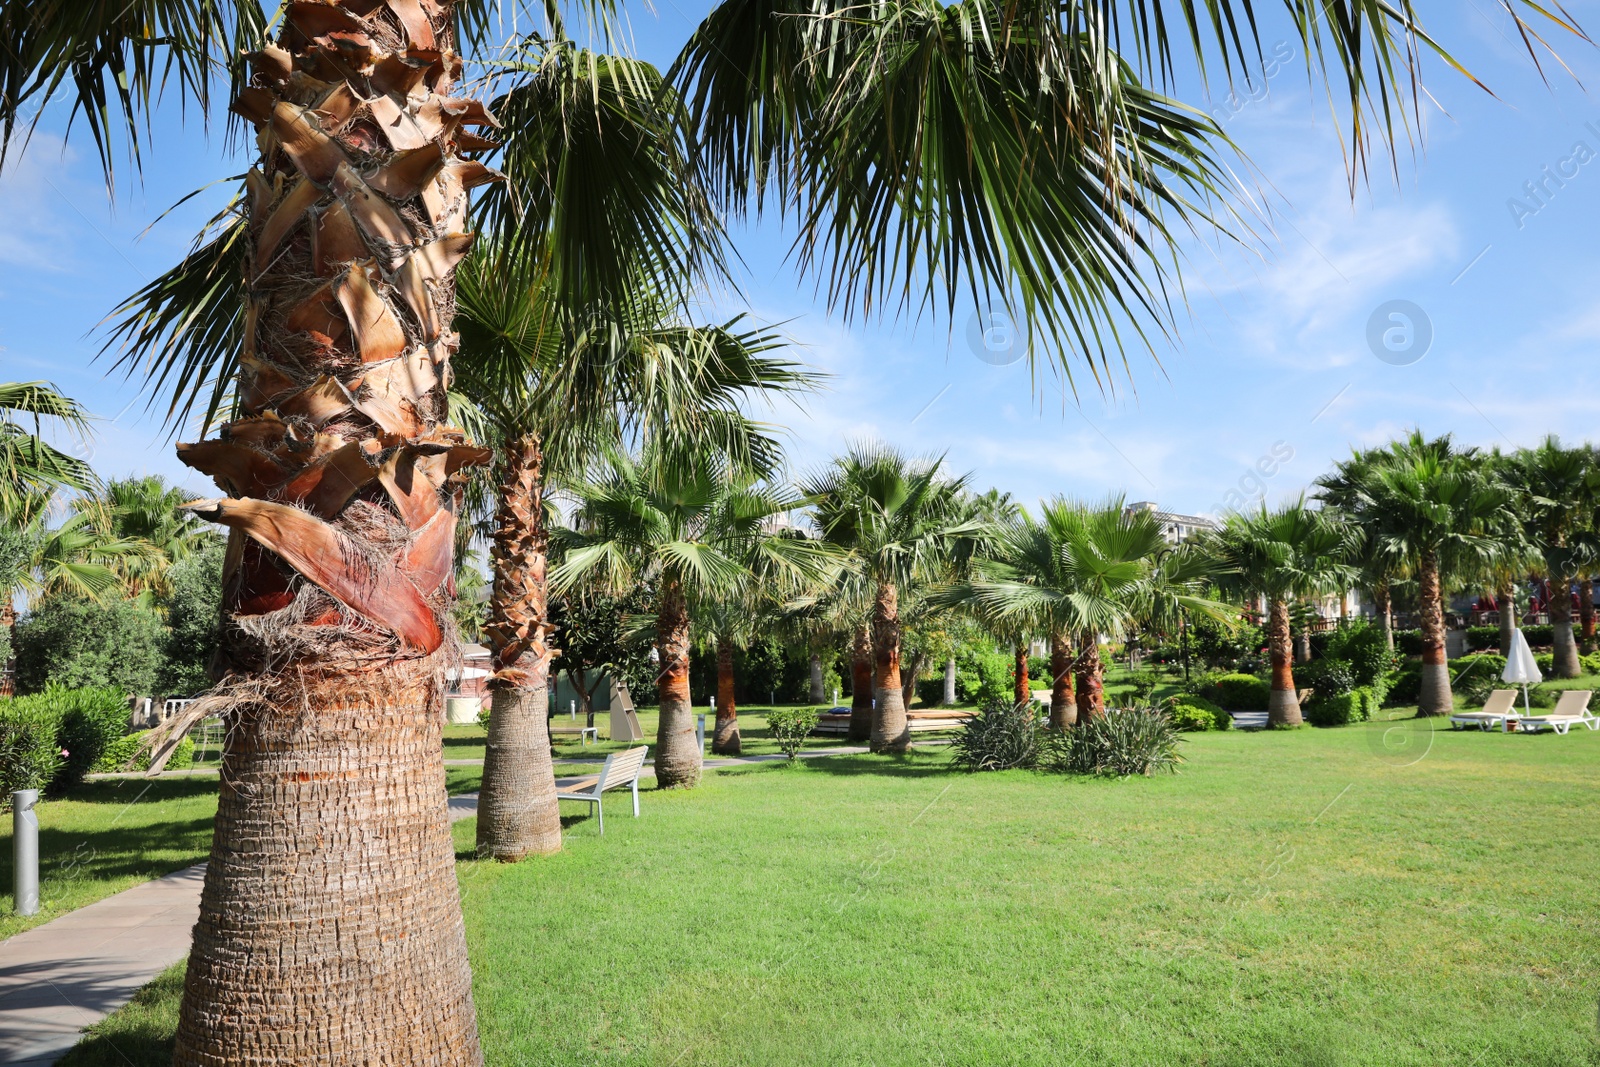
(1091,696)
(725,740)
(1565,659)
(818,692)
(1586,613)
(908,679)
(1506,603)
(1383,604)
(518,813)
(1021,691)
(1436,698)
(1283,704)
(949,682)
(1302,646)
(1063,708)
(678,755)
(889,730)
(861,706)
(330,924)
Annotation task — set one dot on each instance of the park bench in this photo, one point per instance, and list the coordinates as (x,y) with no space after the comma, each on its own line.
(620,769)
(838,722)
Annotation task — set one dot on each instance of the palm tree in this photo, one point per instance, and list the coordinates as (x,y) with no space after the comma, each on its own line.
(149,511)
(1283,554)
(30,467)
(697,527)
(1446,516)
(1557,490)
(1077,572)
(896,521)
(1030,187)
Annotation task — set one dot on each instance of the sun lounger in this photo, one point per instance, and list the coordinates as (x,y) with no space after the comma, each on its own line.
(1572,709)
(1500,706)
(621,768)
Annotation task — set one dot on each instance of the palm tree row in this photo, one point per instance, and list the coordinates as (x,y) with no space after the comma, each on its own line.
(982,153)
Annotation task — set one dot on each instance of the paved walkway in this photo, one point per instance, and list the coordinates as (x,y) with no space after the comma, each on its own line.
(70,973)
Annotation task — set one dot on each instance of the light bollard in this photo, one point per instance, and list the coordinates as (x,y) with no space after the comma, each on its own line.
(25,851)
(700,732)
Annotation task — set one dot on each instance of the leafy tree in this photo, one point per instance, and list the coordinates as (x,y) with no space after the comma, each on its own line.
(192,607)
(78,643)
(1557,490)
(148,512)
(598,640)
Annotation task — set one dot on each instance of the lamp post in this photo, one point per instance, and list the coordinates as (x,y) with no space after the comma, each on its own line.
(25,851)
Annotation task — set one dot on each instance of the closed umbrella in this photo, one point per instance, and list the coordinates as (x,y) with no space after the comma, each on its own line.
(1521,668)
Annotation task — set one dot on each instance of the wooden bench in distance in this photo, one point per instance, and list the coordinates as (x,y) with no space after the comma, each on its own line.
(838,722)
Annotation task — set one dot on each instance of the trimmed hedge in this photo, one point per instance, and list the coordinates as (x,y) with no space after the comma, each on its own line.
(1341,709)
(29,755)
(1241,692)
(1191,713)
(120,751)
(50,740)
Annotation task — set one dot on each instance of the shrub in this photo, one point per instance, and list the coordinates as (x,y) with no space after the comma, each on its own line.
(29,755)
(118,754)
(1329,677)
(78,644)
(1241,692)
(1408,642)
(1144,684)
(1591,663)
(191,611)
(1480,638)
(790,727)
(1546,661)
(89,722)
(1406,685)
(1541,636)
(930,691)
(1361,645)
(983,675)
(1341,709)
(1120,743)
(1002,736)
(1200,712)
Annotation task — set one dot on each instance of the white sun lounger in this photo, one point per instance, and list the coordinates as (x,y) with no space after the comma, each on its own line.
(621,768)
(1500,706)
(1572,709)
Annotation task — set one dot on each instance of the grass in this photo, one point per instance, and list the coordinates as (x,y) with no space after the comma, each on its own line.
(1322,898)
(109,836)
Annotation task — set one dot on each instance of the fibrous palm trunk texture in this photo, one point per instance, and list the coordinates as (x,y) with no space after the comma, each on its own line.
(1063,707)
(1021,688)
(1564,645)
(1090,700)
(678,755)
(330,926)
(725,741)
(1436,698)
(1283,702)
(890,731)
(518,813)
(861,708)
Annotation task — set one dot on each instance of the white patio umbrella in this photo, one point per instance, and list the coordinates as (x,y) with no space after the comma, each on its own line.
(1521,668)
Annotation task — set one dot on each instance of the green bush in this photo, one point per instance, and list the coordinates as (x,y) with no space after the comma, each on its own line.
(1329,677)
(983,675)
(1191,714)
(1591,663)
(78,644)
(1362,645)
(1546,661)
(1406,685)
(1408,642)
(790,727)
(191,611)
(1241,692)
(930,691)
(1541,636)
(1120,743)
(118,754)
(29,755)
(1340,709)
(1481,638)
(1001,737)
(90,721)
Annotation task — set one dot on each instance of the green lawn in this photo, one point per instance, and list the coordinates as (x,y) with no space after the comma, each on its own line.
(1316,897)
(107,837)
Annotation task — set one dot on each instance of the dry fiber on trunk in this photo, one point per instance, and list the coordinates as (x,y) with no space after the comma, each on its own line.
(1091,696)
(1063,708)
(330,928)
(890,731)
(1021,688)
(1435,698)
(518,813)
(1283,703)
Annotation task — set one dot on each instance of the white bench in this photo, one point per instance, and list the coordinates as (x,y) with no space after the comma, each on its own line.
(621,768)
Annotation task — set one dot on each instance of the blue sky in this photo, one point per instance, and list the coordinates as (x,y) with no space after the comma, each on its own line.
(1271,379)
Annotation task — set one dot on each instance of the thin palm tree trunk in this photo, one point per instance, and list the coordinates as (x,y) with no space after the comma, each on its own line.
(818,692)
(1283,704)
(1091,695)
(1021,691)
(861,704)
(518,813)
(1565,651)
(1586,613)
(1383,603)
(330,924)
(908,679)
(678,755)
(1506,603)
(725,739)
(1436,697)
(889,729)
(1063,708)
(949,682)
